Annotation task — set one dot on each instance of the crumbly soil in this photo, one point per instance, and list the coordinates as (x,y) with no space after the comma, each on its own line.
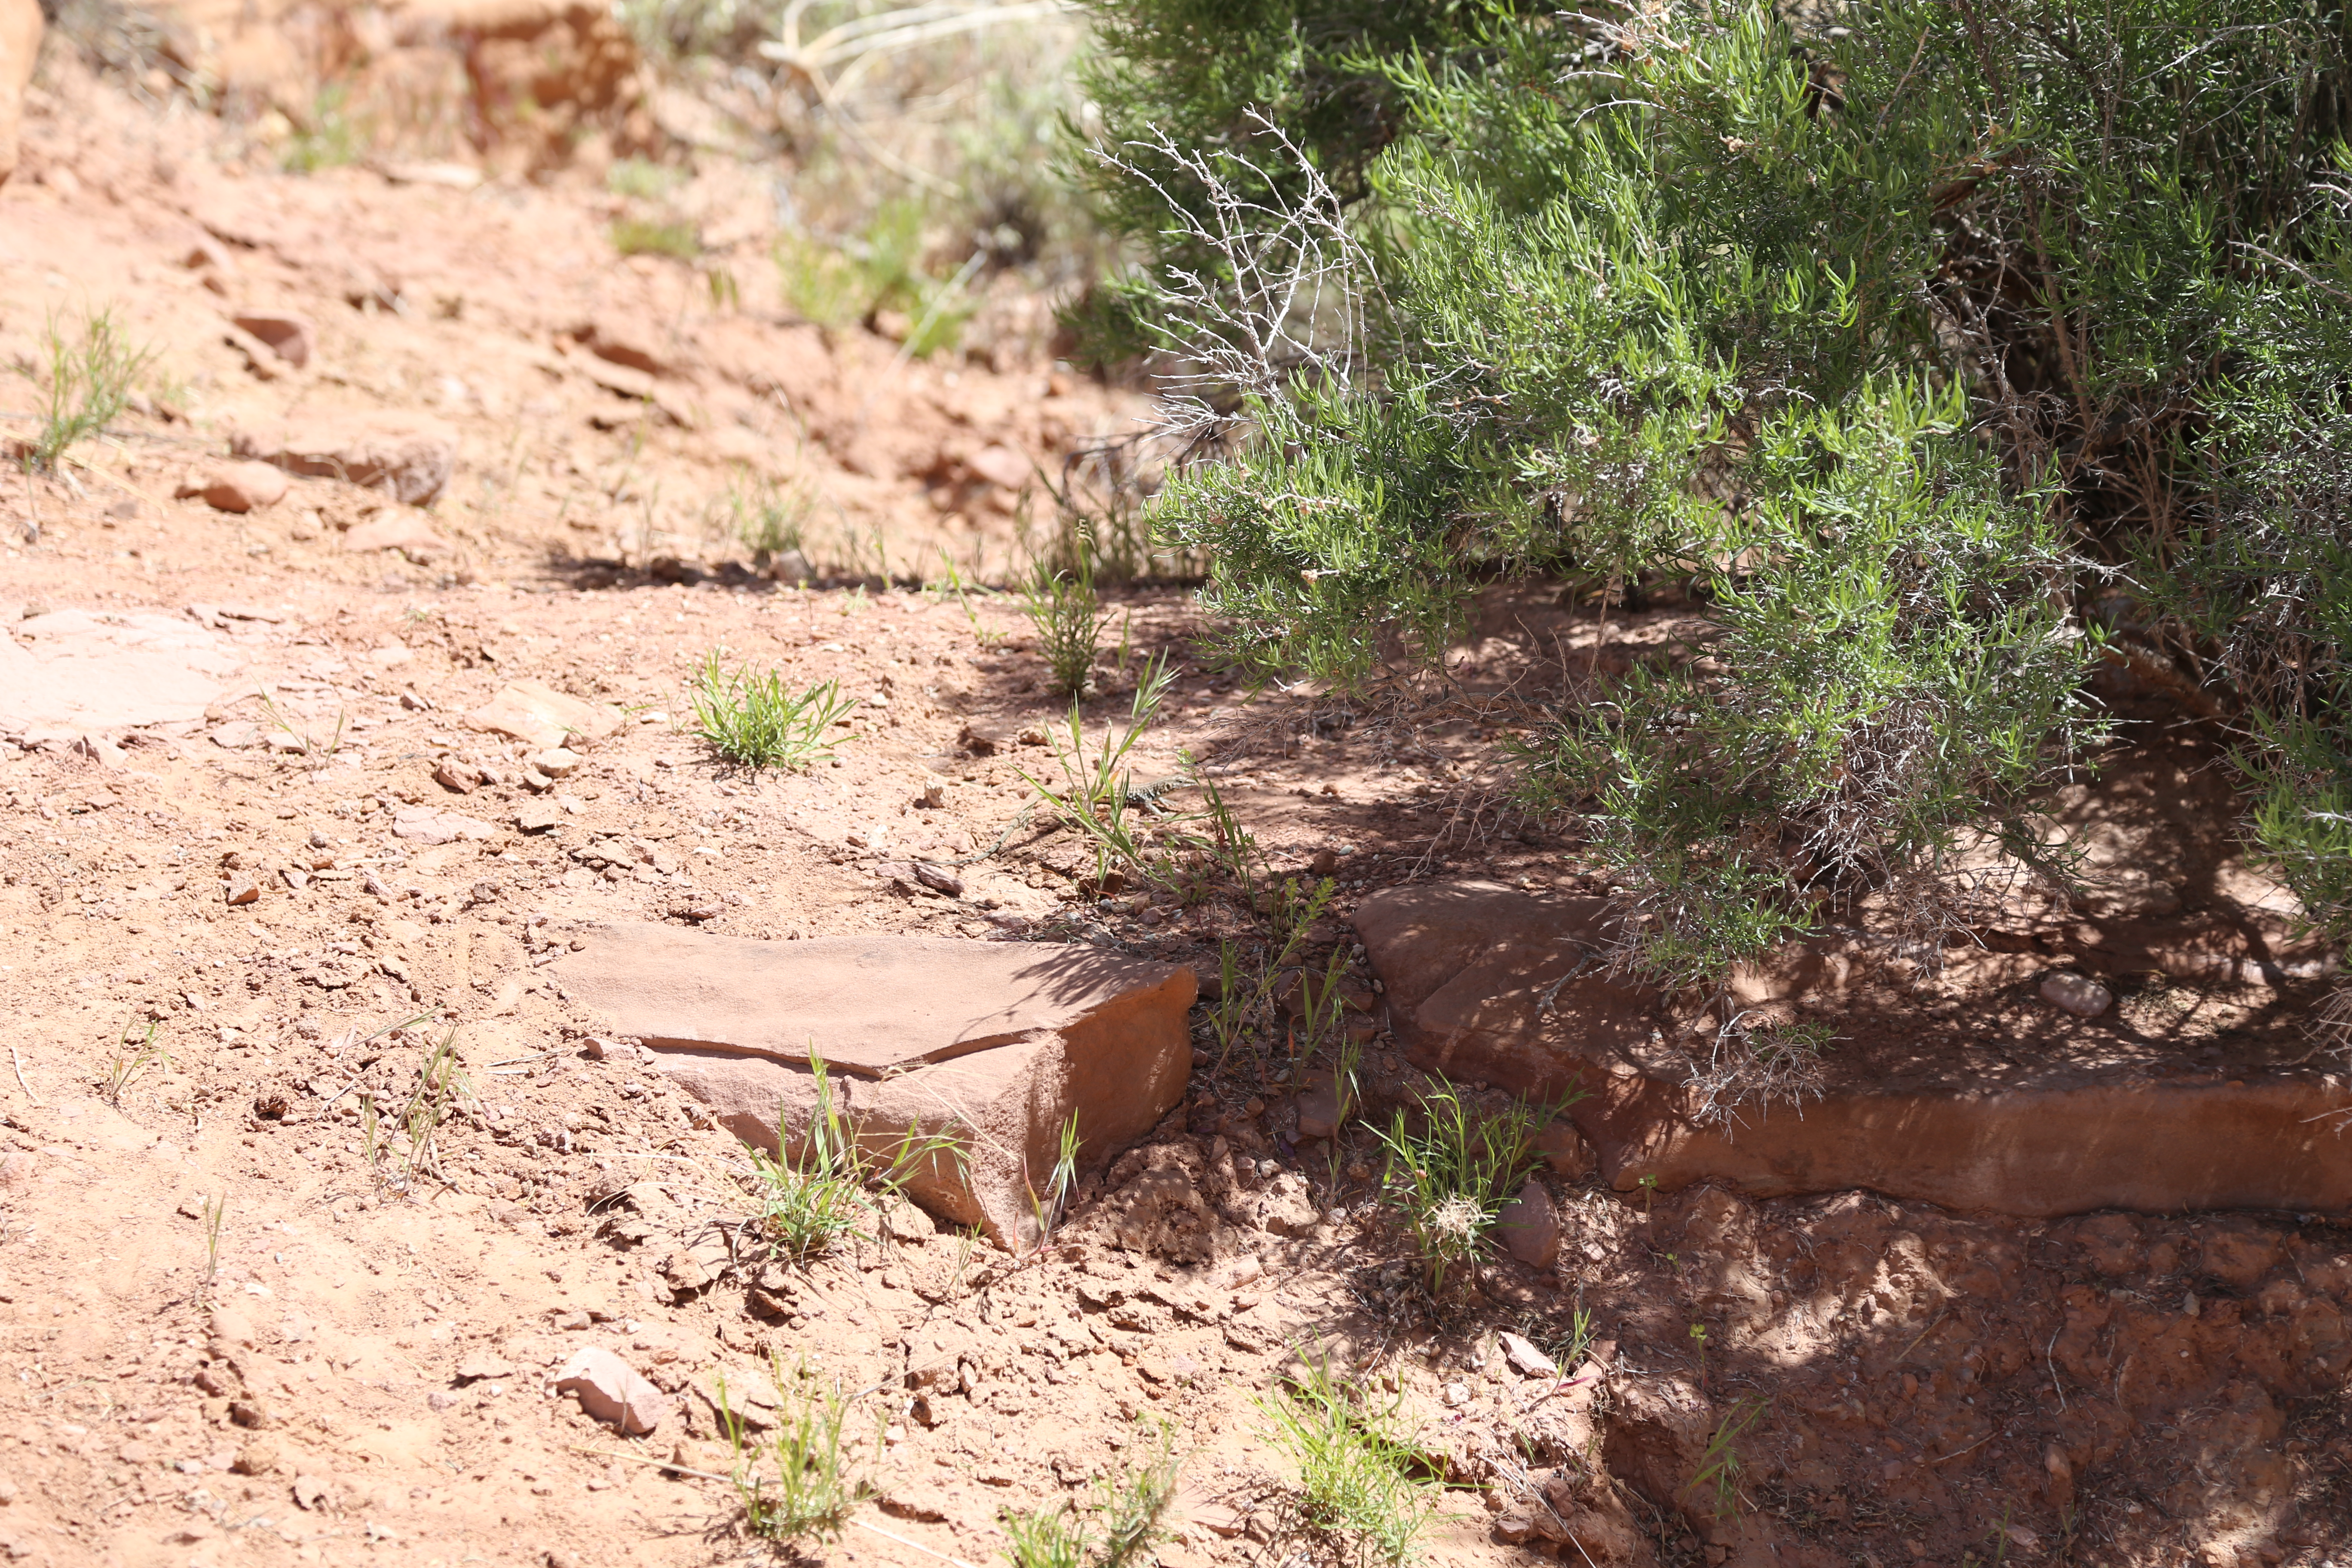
(240,1325)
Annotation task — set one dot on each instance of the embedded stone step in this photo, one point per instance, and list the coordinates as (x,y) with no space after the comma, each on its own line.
(994,1044)
(2006,1103)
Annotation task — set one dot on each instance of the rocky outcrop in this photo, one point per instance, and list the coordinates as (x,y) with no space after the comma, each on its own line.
(407,455)
(1488,982)
(992,1046)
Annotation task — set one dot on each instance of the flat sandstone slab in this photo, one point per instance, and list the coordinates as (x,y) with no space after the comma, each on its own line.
(995,1044)
(1486,983)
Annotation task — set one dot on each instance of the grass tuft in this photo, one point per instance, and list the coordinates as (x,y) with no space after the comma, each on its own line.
(1069,618)
(90,384)
(1357,1478)
(807,1206)
(132,1058)
(650,236)
(812,1492)
(1116,1526)
(754,721)
(1449,1178)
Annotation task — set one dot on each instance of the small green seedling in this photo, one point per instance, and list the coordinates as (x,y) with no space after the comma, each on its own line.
(130,1060)
(753,721)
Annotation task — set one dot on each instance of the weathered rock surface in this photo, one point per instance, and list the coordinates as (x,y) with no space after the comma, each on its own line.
(409,456)
(74,672)
(537,714)
(1470,966)
(996,1044)
(1528,1227)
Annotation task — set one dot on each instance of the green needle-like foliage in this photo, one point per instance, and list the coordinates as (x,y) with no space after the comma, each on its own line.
(1937,351)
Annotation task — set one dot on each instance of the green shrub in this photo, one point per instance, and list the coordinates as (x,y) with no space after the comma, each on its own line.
(656,237)
(753,719)
(836,284)
(89,383)
(1935,351)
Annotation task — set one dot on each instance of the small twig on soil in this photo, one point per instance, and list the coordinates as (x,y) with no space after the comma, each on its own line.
(917,1545)
(20,1076)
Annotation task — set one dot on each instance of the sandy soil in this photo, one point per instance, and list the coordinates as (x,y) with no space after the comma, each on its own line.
(236,1331)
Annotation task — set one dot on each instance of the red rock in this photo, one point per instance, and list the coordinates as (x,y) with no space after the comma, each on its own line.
(20,46)
(410,532)
(1468,967)
(1528,1227)
(610,1390)
(635,343)
(237,487)
(289,336)
(410,455)
(996,1044)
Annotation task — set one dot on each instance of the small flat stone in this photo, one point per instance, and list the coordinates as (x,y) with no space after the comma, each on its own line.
(410,532)
(430,824)
(237,487)
(537,714)
(1524,1359)
(2083,997)
(610,1390)
(289,336)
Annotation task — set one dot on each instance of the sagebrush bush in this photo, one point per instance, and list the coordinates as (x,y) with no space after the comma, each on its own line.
(1940,353)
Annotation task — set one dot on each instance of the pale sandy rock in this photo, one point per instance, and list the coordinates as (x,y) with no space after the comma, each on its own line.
(74,672)
(410,455)
(1000,466)
(557,761)
(538,715)
(2083,997)
(610,1390)
(410,532)
(1524,1359)
(996,1044)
